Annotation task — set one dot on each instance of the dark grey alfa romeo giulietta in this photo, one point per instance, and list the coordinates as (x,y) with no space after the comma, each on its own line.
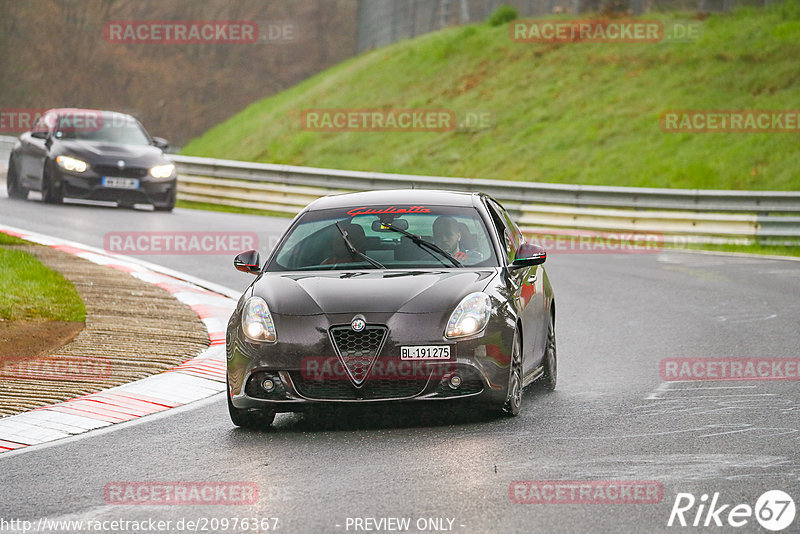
(392,296)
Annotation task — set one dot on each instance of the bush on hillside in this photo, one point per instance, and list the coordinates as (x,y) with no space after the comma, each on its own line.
(502,15)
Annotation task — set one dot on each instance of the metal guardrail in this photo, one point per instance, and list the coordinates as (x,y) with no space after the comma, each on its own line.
(676,215)
(521,192)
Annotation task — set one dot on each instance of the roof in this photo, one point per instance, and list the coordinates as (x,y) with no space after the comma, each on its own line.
(390,197)
(69,111)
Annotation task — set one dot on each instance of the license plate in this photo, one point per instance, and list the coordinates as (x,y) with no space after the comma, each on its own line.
(120,183)
(425,352)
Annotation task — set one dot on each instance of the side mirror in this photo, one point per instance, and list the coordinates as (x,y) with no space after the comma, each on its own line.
(40,134)
(161,143)
(248,262)
(529,255)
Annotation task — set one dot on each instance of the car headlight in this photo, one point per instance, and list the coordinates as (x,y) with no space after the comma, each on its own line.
(257,321)
(71,164)
(470,316)
(162,171)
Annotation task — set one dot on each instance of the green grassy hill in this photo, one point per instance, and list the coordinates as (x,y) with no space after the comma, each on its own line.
(583,113)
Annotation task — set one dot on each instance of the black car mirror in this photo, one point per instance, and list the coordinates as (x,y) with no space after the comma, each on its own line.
(40,134)
(248,262)
(161,143)
(529,255)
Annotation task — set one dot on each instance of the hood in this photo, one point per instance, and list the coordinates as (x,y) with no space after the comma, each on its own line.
(100,153)
(369,291)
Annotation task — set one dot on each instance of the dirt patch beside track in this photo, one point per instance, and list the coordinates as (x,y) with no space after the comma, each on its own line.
(35,337)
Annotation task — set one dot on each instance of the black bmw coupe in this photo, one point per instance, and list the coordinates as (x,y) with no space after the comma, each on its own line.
(94,155)
(392,296)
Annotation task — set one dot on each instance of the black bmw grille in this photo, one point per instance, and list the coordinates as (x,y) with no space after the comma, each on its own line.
(127,172)
(358,349)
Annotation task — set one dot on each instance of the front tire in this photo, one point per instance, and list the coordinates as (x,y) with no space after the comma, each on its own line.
(513,403)
(550,376)
(249,419)
(13,187)
(51,193)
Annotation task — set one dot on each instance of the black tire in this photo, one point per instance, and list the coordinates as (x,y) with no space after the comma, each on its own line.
(13,187)
(550,376)
(51,193)
(513,403)
(249,419)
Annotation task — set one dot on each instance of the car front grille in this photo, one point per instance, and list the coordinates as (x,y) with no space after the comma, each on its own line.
(358,350)
(329,389)
(127,172)
(388,388)
(343,389)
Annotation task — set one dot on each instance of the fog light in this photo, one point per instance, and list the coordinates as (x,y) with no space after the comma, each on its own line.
(268,385)
(454,382)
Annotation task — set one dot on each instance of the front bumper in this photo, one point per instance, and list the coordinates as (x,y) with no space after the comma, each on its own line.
(89,186)
(304,368)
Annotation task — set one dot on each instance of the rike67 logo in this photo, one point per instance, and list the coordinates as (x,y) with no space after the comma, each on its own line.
(774,510)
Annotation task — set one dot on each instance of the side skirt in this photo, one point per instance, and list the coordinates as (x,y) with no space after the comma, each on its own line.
(534,375)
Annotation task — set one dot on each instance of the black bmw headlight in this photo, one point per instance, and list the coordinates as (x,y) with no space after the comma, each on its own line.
(163,171)
(71,164)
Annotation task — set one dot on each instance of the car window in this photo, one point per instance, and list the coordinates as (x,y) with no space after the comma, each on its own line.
(516,234)
(507,229)
(112,128)
(315,242)
(43,122)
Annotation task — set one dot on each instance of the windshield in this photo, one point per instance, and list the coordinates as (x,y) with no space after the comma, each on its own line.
(316,243)
(108,128)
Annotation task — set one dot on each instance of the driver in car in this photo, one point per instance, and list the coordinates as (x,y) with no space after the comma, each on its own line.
(447,234)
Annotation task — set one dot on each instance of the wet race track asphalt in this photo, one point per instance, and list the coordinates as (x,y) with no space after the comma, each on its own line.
(612,417)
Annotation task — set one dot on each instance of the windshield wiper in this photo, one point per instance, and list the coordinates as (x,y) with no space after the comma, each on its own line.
(354,250)
(422,242)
